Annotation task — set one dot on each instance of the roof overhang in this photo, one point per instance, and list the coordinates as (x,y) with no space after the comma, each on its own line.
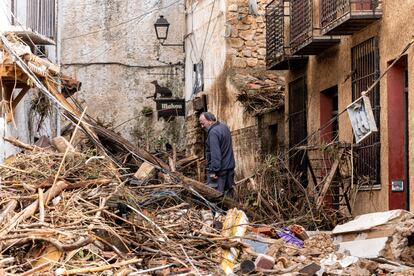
(29,36)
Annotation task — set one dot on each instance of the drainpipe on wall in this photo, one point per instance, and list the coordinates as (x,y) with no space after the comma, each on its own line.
(58,127)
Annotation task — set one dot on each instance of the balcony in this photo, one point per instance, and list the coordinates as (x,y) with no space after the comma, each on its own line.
(345,17)
(278,56)
(306,38)
(34,21)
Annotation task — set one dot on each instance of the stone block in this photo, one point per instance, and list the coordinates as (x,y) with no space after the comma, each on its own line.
(243,26)
(264,262)
(239,62)
(61,144)
(250,43)
(261,51)
(235,42)
(247,53)
(248,34)
(233,8)
(251,62)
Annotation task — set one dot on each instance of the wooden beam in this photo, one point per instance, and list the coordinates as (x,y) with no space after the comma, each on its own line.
(329,178)
(20,144)
(15,101)
(312,187)
(59,97)
(11,72)
(211,193)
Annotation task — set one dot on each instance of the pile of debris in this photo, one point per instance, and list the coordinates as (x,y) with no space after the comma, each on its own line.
(260,91)
(72,214)
(64,212)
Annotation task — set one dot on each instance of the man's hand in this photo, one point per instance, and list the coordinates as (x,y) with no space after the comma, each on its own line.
(213,176)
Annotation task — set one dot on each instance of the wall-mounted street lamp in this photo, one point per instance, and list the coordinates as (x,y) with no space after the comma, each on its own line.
(161,30)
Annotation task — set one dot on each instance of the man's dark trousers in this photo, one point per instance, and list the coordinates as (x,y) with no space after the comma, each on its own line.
(224,182)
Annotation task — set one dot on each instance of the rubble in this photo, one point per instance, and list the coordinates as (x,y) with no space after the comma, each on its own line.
(73,212)
(381,234)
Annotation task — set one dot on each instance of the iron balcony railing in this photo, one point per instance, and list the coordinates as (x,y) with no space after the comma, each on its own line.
(334,10)
(41,17)
(275,38)
(301,28)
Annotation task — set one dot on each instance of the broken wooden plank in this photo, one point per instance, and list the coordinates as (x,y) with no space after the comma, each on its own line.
(32,208)
(145,171)
(11,205)
(329,178)
(19,144)
(211,193)
(186,160)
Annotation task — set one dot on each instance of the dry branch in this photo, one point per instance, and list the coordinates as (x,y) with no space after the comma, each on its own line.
(19,144)
(99,268)
(11,205)
(32,208)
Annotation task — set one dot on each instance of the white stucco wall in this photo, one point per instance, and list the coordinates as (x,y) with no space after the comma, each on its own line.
(111,47)
(4,14)
(205,40)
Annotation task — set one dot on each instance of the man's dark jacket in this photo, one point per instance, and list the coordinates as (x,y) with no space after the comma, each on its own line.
(219,151)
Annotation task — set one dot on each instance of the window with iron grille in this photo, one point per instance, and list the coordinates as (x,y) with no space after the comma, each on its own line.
(301,22)
(274,30)
(41,17)
(365,68)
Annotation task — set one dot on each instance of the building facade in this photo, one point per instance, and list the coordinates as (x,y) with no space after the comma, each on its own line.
(225,56)
(112,48)
(33,22)
(335,51)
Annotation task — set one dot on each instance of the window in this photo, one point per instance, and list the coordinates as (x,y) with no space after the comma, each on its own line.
(365,68)
(40,17)
(298,127)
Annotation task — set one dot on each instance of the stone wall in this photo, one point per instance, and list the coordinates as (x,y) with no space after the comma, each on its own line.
(235,44)
(195,136)
(246,34)
(111,47)
(246,150)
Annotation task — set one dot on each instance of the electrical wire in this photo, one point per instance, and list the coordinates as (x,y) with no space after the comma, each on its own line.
(409,44)
(208,27)
(122,22)
(122,35)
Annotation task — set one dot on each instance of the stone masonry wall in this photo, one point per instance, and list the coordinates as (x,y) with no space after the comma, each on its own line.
(246,40)
(246,150)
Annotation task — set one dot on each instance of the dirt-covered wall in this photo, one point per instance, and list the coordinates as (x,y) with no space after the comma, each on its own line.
(111,47)
(235,43)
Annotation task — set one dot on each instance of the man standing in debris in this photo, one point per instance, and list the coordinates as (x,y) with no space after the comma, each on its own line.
(219,153)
